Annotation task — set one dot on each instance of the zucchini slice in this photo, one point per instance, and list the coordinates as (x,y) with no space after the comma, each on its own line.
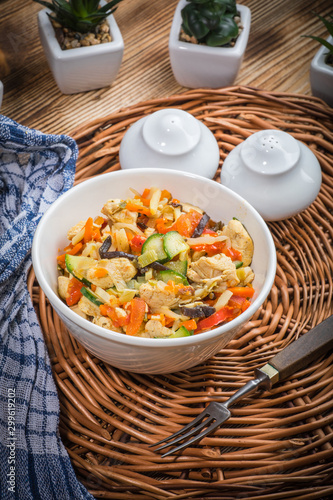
(180,266)
(181,332)
(174,244)
(155,242)
(169,274)
(90,295)
(77,265)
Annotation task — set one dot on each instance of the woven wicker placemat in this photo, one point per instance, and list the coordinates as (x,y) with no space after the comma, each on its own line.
(276,446)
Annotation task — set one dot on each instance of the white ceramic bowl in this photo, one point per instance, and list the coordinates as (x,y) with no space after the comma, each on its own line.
(134,353)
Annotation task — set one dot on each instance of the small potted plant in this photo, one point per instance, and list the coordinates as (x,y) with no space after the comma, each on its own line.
(82,43)
(207,42)
(321,69)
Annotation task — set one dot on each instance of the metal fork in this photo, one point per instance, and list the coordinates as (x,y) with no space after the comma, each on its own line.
(292,358)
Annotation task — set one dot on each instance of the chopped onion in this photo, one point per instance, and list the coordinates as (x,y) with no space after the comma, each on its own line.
(78,237)
(223,300)
(132,227)
(207,239)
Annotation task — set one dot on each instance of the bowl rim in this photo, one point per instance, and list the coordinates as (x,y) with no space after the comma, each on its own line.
(121,338)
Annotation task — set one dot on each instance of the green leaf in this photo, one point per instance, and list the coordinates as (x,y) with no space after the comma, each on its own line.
(327,23)
(231,7)
(324,42)
(212,16)
(227,30)
(193,24)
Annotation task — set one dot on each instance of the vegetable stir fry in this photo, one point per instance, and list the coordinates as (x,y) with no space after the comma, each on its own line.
(154,266)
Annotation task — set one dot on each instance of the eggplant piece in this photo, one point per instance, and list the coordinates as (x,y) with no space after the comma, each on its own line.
(155,265)
(141,225)
(104,254)
(201,226)
(198,311)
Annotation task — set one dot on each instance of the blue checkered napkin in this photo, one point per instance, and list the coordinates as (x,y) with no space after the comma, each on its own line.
(34,170)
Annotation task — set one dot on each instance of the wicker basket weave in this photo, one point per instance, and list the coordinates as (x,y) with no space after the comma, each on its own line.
(278,445)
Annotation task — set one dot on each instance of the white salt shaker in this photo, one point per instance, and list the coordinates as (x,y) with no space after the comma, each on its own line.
(279,175)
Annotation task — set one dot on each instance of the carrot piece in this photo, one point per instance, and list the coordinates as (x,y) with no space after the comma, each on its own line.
(100,272)
(96,234)
(133,207)
(190,324)
(145,193)
(186,223)
(88,230)
(75,249)
(137,314)
(99,220)
(242,291)
(166,194)
(71,251)
(110,312)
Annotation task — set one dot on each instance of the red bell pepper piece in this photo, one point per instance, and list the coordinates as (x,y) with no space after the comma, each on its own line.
(225,313)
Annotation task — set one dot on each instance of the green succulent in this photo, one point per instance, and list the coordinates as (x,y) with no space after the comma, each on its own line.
(329,25)
(79,15)
(210,21)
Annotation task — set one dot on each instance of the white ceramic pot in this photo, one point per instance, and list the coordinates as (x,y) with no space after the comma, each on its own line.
(321,75)
(200,66)
(83,68)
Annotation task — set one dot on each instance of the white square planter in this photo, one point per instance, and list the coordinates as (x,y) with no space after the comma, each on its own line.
(84,68)
(321,76)
(200,66)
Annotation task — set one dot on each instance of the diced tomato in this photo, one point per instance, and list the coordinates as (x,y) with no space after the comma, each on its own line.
(224,314)
(136,243)
(73,294)
(209,231)
(232,253)
(218,247)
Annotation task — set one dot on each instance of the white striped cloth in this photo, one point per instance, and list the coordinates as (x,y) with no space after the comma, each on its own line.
(35,169)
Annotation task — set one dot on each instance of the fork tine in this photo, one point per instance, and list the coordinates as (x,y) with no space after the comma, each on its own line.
(194,440)
(192,430)
(186,427)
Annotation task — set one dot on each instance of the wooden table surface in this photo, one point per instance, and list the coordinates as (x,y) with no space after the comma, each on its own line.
(277,59)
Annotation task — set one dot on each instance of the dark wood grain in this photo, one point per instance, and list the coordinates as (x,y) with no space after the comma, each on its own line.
(277,59)
(305,350)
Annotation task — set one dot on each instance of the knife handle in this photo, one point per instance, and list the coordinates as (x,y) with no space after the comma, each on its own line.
(310,346)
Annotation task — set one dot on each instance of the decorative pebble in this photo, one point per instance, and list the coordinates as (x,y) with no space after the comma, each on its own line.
(69,39)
